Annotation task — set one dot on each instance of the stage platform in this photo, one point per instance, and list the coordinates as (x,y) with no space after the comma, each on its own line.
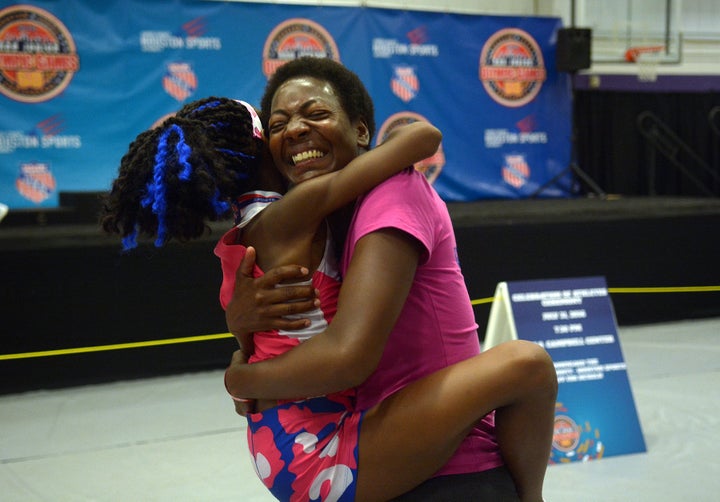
(76,310)
(655,252)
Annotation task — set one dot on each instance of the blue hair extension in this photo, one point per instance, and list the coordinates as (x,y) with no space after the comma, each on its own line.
(235,153)
(210,104)
(130,240)
(220,206)
(156,189)
(184,152)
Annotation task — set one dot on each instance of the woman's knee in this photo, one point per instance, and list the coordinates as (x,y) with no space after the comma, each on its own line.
(534,366)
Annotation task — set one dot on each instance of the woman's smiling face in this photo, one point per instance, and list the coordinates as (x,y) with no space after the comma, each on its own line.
(309,133)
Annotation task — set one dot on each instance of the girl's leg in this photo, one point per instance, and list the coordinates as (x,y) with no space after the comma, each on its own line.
(406,438)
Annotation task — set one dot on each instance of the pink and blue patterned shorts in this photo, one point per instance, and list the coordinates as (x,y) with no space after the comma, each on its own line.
(307,450)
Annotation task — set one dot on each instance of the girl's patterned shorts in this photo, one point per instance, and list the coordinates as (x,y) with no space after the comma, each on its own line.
(307,450)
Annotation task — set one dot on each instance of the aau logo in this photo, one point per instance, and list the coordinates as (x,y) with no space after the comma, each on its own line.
(512,67)
(180,81)
(35,182)
(38,58)
(515,171)
(405,83)
(296,38)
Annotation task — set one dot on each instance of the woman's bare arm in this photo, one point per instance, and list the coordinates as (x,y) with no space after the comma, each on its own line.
(372,296)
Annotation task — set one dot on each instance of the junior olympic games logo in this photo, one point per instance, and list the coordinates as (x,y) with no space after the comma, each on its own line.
(38,58)
(512,67)
(295,38)
(566,434)
(574,442)
(430,167)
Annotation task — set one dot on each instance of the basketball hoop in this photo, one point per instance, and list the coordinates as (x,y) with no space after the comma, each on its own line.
(646,58)
(633,53)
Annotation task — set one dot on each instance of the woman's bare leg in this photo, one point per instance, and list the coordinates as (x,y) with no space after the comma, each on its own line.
(524,432)
(405,439)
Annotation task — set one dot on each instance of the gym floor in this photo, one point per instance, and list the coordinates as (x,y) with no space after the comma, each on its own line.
(177,438)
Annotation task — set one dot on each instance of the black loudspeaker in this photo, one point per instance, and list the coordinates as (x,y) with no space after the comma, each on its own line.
(573,49)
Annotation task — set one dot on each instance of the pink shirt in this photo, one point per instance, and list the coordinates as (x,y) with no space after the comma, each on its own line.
(436,327)
(326,279)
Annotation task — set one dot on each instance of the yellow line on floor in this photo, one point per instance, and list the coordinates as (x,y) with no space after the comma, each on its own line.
(205,338)
(116,346)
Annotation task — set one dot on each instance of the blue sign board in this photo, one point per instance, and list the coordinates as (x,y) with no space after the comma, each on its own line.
(573,319)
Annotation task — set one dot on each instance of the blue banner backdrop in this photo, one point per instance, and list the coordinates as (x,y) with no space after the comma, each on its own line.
(80,79)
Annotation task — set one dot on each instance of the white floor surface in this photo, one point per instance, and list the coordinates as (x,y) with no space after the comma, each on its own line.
(178,439)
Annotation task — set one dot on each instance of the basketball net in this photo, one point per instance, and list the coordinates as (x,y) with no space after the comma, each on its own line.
(647,59)
(647,65)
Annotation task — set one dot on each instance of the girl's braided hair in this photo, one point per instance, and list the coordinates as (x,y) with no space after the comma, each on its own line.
(178,176)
